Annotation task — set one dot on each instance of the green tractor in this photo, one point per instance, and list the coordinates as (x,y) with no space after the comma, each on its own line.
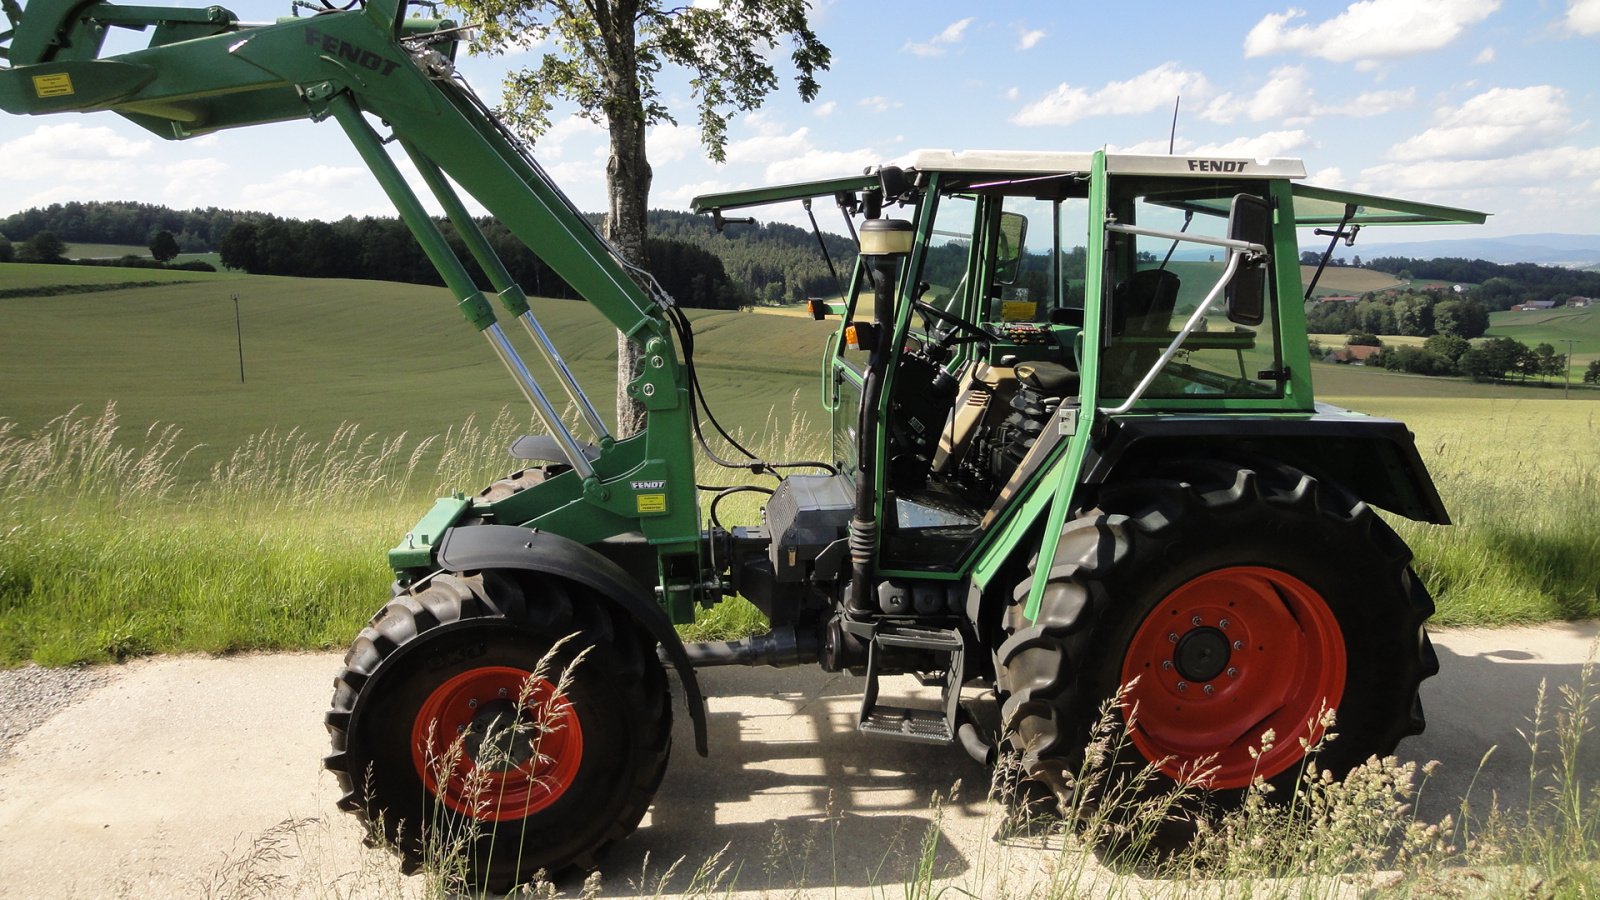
(1075,452)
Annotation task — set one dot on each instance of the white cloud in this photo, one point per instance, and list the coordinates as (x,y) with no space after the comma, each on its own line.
(939,43)
(49,144)
(879,104)
(1331,176)
(1551,167)
(1152,89)
(1013,93)
(1030,39)
(1486,55)
(1287,97)
(1369,29)
(1262,146)
(669,143)
(680,196)
(1286,94)
(1496,122)
(565,133)
(814,164)
(1583,16)
(824,110)
(764,148)
(193,182)
(1371,103)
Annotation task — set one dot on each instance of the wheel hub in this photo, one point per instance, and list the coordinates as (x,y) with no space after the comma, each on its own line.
(1225,660)
(498,736)
(1202,654)
(497,743)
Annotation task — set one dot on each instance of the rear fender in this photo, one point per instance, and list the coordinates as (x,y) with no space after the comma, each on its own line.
(1376,459)
(479,547)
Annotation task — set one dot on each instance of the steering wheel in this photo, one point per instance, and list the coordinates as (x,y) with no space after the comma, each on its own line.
(957,324)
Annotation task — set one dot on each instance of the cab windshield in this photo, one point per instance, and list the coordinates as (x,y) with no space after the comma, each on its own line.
(1156,284)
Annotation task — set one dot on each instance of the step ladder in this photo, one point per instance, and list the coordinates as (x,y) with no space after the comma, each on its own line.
(927,726)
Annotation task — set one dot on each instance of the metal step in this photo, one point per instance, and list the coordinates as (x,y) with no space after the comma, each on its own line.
(927,726)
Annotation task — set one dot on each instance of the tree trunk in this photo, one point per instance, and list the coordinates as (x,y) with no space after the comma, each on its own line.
(628,179)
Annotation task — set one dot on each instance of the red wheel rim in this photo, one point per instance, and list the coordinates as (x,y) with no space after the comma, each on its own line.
(1222,660)
(500,771)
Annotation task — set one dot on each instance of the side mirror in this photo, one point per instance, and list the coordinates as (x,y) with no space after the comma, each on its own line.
(1249,220)
(1009,246)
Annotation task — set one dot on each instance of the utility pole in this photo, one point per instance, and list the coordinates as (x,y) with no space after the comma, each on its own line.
(1566,389)
(239,332)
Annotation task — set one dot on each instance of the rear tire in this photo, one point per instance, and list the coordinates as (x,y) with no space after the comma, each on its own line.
(1274,591)
(451,658)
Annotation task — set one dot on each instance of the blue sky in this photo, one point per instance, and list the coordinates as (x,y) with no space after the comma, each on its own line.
(1489,104)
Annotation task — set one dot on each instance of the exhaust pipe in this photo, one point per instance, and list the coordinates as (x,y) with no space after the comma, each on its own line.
(779,648)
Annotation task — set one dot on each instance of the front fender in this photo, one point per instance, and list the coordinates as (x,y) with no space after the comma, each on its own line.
(477,547)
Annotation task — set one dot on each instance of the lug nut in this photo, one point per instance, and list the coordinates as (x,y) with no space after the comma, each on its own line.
(1210,690)
(1195,621)
(461,729)
(1238,645)
(1233,672)
(1224,624)
(1172,638)
(472,704)
(502,693)
(1183,686)
(1167,665)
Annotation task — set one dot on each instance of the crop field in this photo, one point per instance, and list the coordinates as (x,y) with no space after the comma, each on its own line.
(1553,327)
(1348,280)
(255,515)
(114,251)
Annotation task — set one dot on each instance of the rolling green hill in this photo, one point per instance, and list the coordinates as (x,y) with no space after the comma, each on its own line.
(390,357)
(396,358)
(1554,327)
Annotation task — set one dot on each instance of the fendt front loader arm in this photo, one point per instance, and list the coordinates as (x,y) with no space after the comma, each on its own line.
(204,71)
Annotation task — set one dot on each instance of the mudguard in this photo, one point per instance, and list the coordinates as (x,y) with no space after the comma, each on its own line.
(1374,458)
(477,547)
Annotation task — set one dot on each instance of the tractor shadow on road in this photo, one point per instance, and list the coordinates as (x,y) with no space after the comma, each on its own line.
(802,802)
(799,798)
(1487,692)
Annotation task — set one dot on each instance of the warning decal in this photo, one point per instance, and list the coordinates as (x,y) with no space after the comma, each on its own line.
(57,85)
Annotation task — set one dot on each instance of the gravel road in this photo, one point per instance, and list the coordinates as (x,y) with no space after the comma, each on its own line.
(187,776)
(32,694)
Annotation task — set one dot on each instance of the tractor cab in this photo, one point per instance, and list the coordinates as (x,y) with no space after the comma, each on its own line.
(1016,324)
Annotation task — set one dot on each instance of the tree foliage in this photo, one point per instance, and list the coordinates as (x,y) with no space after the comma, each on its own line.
(604,56)
(121,222)
(164,247)
(383,248)
(43,247)
(1498,286)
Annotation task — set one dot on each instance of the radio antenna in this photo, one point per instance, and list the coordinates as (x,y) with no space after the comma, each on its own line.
(1172,137)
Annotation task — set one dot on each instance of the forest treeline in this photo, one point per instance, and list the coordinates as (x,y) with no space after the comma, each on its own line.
(1496,285)
(745,265)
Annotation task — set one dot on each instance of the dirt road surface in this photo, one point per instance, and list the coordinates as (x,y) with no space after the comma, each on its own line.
(202,777)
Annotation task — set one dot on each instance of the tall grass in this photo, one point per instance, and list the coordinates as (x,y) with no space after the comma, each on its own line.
(107,551)
(1524,498)
(114,545)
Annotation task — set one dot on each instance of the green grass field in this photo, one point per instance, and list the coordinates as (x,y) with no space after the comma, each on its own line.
(261,521)
(114,251)
(391,358)
(1554,327)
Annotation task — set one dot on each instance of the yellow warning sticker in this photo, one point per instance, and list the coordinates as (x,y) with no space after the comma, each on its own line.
(651,503)
(57,85)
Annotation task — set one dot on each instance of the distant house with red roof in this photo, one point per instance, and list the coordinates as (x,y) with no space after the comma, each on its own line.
(1354,355)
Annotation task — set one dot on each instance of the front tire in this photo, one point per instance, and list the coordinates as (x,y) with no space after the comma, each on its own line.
(469,734)
(1239,601)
